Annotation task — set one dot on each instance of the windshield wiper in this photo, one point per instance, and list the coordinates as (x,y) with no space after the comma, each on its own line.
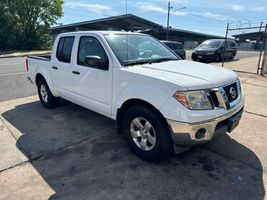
(137,62)
(162,60)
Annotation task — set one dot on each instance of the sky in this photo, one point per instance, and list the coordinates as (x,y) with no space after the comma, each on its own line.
(205,16)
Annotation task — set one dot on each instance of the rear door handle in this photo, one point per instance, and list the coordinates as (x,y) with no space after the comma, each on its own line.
(75,72)
(54,68)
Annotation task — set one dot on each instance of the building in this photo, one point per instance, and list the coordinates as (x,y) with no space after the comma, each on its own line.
(252,40)
(130,22)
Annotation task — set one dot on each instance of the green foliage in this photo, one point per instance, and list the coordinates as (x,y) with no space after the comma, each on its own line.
(25,24)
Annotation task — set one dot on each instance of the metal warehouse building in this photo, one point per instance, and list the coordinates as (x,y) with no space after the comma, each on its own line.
(252,40)
(133,23)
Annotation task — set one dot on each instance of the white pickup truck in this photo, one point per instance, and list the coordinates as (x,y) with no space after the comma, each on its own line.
(160,102)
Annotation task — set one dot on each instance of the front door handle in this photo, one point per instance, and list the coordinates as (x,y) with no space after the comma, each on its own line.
(75,72)
(53,67)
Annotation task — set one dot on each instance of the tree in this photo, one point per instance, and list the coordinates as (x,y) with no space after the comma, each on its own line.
(8,32)
(32,19)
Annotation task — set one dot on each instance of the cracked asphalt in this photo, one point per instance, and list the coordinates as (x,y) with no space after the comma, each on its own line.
(73,153)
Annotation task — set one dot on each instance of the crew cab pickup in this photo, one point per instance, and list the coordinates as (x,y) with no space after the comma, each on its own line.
(161,103)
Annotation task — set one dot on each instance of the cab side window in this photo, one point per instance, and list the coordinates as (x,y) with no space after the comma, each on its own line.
(231,44)
(90,46)
(64,49)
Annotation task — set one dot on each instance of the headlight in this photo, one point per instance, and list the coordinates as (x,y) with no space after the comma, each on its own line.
(195,100)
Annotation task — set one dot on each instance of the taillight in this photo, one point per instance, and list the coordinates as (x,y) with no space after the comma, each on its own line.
(27,65)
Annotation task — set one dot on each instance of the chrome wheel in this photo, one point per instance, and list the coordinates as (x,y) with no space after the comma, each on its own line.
(143,133)
(44,93)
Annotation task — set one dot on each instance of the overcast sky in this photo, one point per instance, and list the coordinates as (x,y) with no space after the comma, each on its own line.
(206,16)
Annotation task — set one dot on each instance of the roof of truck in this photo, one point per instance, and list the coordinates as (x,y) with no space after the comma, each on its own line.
(100,32)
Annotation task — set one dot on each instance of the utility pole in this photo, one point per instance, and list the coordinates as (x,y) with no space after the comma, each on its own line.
(264,65)
(225,43)
(168,20)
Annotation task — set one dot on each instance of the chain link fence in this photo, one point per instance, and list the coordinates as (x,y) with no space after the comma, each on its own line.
(251,40)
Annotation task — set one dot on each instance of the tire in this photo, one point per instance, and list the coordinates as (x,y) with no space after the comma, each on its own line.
(232,56)
(150,149)
(193,58)
(46,97)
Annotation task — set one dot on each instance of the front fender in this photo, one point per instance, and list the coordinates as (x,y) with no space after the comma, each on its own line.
(151,94)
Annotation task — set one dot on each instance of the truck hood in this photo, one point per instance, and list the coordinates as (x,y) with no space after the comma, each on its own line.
(189,74)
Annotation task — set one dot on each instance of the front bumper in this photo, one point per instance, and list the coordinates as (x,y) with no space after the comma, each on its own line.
(207,57)
(189,134)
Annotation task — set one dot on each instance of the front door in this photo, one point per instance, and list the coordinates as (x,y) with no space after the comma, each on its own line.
(92,86)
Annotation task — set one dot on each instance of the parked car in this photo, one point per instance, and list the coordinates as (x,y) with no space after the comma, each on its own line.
(177,47)
(215,50)
(160,102)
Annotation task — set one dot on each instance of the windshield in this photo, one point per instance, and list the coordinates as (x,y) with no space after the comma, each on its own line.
(131,49)
(210,44)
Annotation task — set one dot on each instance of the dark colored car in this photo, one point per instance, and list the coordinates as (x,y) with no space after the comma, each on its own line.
(215,50)
(177,47)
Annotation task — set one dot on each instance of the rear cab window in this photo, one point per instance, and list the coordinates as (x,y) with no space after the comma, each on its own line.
(64,49)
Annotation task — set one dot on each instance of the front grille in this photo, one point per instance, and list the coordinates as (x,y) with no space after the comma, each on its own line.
(225,97)
(214,99)
(231,92)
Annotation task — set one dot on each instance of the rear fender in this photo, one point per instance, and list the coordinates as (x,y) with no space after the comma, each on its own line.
(47,76)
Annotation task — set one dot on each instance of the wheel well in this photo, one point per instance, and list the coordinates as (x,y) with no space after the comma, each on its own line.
(133,102)
(38,77)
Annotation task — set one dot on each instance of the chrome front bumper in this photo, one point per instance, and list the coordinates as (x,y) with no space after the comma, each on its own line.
(188,134)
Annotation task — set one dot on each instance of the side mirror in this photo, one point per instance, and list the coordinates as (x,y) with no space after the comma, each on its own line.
(95,62)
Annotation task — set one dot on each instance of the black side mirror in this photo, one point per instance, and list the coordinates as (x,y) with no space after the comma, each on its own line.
(95,62)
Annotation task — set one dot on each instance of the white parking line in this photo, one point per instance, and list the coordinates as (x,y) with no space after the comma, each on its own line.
(13,74)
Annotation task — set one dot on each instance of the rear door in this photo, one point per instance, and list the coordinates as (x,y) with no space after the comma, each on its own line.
(61,67)
(232,48)
(225,50)
(92,86)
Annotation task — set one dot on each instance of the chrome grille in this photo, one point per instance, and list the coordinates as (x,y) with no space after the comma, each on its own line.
(223,97)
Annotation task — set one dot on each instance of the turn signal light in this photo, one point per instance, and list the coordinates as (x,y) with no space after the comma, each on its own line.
(180,96)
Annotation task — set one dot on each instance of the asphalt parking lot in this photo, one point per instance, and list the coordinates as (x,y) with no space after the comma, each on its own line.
(12,79)
(73,153)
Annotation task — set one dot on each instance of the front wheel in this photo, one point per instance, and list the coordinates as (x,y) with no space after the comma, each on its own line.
(147,134)
(232,56)
(47,99)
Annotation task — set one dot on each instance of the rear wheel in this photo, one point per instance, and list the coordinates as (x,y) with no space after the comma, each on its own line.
(46,97)
(147,134)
